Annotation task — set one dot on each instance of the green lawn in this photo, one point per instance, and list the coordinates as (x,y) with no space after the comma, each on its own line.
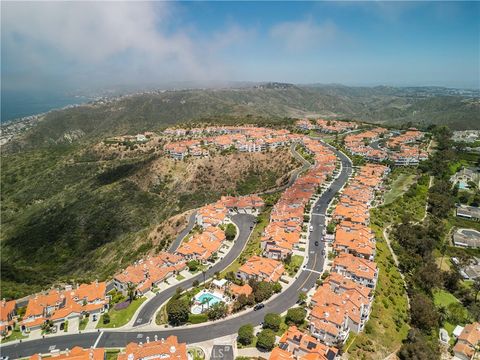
(15,335)
(294,265)
(121,317)
(83,323)
(180,277)
(443,298)
(111,354)
(399,186)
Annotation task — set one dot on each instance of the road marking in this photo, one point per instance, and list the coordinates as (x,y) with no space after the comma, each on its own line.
(314,271)
(98,339)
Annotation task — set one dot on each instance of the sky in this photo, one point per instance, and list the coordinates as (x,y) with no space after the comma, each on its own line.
(69,45)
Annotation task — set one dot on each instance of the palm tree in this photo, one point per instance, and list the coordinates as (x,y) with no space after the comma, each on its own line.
(131,292)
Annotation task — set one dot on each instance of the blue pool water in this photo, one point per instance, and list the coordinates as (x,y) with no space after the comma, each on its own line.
(462,185)
(209,298)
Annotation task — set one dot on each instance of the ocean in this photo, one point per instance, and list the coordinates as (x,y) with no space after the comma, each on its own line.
(18,104)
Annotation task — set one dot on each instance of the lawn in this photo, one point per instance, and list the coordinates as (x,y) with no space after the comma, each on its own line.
(399,186)
(294,265)
(387,326)
(443,298)
(15,335)
(83,323)
(111,354)
(180,277)
(121,317)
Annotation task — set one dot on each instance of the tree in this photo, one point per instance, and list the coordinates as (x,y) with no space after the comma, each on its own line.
(476,287)
(217,311)
(295,316)
(266,340)
(276,287)
(272,321)
(263,291)
(131,291)
(193,265)
(302,297)
(423,313)
(177,311)
(195,283)
(416,347)
(230,232)
(106,318)
(245,334)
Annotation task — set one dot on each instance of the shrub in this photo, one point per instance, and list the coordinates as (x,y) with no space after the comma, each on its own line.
(266,340)
(245,334)
(295,316)
(272,321)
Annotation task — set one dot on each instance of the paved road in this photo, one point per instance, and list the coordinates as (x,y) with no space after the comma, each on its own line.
(304,281)
(245,224)
(178,240)
(295,173)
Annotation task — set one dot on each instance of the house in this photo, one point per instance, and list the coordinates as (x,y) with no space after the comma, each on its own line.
(168,348)
(298,345)
(468,341)
(362,271)
(59,306)
(7,314)
(468,212)
(149,272)
(237,290)
(76,353)
(261,269)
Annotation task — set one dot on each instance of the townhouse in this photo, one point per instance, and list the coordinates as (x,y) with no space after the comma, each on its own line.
(61,305)
(76,353)
(168,348)
(339,306)
(360,270)
(334,126)
(261,269)
(149,272)
(468,341)
(298,345)
(7,315)
(202,246)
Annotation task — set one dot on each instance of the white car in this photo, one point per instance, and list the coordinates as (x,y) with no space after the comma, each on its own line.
(311,227)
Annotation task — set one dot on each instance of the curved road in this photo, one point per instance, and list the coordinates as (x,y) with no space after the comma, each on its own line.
(245,224)
(304,281)
(178,240)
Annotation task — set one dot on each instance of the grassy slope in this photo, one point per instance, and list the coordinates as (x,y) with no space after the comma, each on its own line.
(65,219)
(387,326)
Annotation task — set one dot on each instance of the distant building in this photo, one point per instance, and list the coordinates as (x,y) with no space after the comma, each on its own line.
(466,238)
(468,212)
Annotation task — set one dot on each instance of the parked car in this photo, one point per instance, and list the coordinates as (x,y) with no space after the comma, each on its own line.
(316,243)
(311,227)
(259,306)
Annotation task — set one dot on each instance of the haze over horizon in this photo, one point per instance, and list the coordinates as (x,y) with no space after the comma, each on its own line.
(53,46)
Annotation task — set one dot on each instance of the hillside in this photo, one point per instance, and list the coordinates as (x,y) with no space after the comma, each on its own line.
(67,217)
(260,104)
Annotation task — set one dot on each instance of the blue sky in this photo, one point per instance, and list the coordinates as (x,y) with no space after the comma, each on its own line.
(56,45)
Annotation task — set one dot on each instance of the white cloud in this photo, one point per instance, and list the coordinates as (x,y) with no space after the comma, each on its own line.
(305,34)
(126,40)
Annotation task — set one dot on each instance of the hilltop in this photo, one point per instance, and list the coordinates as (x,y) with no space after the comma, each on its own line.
(271,103)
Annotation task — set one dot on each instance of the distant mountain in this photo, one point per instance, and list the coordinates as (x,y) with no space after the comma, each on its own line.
(271,102)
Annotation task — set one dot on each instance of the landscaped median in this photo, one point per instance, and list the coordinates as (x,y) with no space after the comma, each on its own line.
(120,314)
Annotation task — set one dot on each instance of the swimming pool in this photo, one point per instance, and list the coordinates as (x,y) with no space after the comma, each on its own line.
(204,300)
(462,185)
